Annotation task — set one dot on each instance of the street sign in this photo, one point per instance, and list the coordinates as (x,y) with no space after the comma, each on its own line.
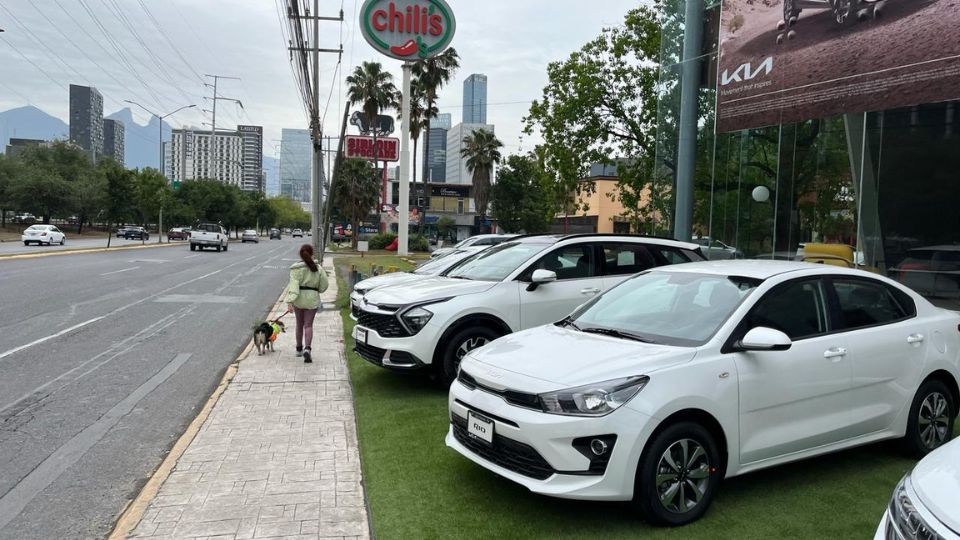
(408,29)
(361,146)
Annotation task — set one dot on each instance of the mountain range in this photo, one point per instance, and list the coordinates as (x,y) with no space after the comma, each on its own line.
(140,141)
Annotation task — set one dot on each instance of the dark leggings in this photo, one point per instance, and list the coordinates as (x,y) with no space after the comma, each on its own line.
(304,326)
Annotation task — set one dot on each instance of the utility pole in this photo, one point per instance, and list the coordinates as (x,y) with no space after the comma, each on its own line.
(312,96)
(213,123)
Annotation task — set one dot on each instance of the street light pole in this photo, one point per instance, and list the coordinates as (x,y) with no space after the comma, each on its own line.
(161,118)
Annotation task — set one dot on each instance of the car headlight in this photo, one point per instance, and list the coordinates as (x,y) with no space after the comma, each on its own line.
(593,399)
(415,319)
(905,518)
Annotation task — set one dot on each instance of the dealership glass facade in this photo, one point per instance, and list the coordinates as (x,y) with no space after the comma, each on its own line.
(885,183)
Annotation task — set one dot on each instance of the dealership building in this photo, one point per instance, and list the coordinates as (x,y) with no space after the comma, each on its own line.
(779,129)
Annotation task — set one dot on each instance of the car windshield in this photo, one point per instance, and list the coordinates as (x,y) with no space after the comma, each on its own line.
(670,308)
(249,232)
(207,227)
(498,262)
(37,228)
(436,266)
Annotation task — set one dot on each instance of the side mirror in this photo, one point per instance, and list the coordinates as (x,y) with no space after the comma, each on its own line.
(765,339)
(540,277)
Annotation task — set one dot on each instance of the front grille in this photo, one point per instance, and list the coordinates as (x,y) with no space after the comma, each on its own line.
(355,310)
(386,325)
(375,355)
(507,453)
(520,399)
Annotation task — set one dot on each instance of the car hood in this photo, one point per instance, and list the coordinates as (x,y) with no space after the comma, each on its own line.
(424,290)
(936,479)
(384,280)
(564,358)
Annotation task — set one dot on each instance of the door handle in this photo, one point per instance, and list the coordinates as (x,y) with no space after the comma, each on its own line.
(836,352)
(589,290)
(915,338)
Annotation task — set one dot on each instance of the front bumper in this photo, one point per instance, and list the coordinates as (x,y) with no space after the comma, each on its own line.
(534,434)
(394,354)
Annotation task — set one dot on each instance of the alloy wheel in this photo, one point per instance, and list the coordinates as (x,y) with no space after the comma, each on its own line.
(470,344)
(683,475)
(934,420)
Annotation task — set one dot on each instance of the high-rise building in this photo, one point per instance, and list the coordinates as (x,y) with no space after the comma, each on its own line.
(251,151)
(437,154)
(475,99)
(457,172)
(295,164)
(189,156)
(113,140)
(86,119)
(443,120)
(15,146)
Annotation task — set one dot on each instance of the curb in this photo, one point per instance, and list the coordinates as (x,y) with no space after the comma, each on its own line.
(81,250)
(133,512)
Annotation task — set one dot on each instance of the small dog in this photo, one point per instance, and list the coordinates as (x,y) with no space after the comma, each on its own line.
(266,333)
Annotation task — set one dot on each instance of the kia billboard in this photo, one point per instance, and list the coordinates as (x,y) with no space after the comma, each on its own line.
(790,60)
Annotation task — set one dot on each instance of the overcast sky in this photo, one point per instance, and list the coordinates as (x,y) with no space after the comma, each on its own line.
(65,41)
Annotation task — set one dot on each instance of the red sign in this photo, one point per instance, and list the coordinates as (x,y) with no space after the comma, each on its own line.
(361,146)
(408,29)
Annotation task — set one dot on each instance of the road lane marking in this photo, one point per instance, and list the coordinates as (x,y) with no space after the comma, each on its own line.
(15,500)
(199,299)
(119,271)
(48,338)
(192,256)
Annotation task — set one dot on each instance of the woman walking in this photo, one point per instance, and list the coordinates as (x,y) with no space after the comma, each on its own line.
(307,281)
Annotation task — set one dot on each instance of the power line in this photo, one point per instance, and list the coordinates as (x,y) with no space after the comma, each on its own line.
(173,46)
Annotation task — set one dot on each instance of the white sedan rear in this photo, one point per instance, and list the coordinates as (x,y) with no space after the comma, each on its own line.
(43,235)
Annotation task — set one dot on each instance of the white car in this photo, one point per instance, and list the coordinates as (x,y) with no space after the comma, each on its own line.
(297,232)
(485,240)
(250,235)
(688,374)
(43,234)
(924,503)
(518,284)
(433,267)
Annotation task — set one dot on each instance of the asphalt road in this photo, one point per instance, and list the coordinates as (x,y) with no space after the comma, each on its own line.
(105,359)
(11,248)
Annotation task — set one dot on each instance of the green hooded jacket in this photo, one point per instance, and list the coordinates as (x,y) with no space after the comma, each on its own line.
(301,276)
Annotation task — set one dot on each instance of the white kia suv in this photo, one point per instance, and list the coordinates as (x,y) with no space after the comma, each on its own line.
(687,374)
(526,282)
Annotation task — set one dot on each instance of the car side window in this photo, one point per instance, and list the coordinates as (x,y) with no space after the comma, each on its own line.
(798,309)
(671,255)
(865,303)
(484,242)
(621,259)
(569,262)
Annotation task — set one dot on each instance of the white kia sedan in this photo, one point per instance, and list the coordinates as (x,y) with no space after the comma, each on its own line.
(43,234)
(924,503)
(684,375)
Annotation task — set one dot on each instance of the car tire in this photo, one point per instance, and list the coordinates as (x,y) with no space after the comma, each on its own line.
(932,414)
(686,452)
(219,248)
(63,241)
(193,247)
(225,246)
(26,243)
(458,345)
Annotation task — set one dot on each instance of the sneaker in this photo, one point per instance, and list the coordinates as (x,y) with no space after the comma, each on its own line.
(299,353)
(306,357)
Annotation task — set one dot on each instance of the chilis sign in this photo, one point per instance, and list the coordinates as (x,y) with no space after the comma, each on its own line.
(408,29)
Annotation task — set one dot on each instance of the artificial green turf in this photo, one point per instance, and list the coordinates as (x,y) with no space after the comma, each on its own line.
(419,488)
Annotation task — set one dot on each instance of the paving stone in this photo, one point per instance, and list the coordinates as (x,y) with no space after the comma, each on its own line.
(277,457)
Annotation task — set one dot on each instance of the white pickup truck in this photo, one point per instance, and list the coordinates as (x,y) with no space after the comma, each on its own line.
(208,235)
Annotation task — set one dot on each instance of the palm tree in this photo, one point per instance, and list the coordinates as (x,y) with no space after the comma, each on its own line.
(482,152)
(372,88)
(433,73)
(420,118)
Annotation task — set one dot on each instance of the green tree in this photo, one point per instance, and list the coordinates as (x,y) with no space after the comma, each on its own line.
(45,186)
(372,88)
(445,224)
(89,195)
(520,200)
(420,117)
(482,152)
(356,191)
(431,74)
(149,193)
(600,106)
(9,173)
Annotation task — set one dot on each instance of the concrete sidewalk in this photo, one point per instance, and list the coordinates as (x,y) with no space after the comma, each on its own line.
(277,457)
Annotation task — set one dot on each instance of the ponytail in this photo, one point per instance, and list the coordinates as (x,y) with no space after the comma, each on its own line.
(306,254)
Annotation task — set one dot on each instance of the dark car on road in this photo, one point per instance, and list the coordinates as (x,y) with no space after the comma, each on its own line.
(275,234)
(136,233)
(178,233)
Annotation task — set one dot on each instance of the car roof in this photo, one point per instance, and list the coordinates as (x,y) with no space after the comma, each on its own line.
(936,248)
(757,269)
(556,238)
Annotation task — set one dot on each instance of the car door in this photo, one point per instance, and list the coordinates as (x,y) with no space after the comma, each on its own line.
(796,399)
(620,260)
(887,346)
(578,280)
